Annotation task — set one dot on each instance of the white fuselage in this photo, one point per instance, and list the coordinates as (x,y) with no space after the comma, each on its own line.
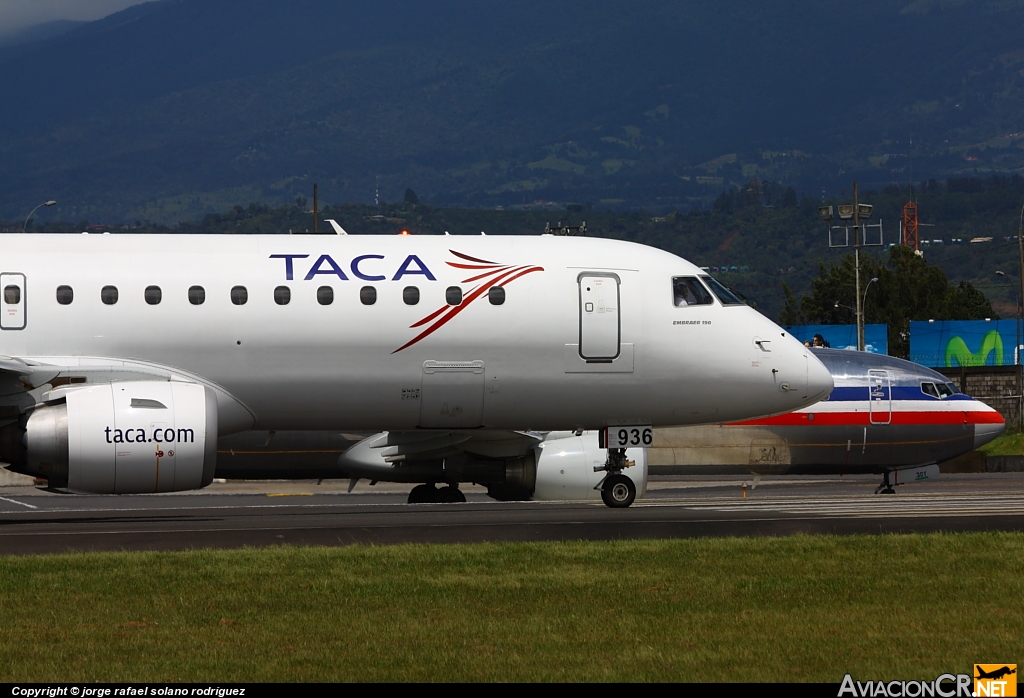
(396,366)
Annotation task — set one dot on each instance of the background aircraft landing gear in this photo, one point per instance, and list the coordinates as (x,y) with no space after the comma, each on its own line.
(429,494)
(886,486)
(617,490)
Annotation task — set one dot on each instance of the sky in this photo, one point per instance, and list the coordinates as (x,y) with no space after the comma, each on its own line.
(20,14)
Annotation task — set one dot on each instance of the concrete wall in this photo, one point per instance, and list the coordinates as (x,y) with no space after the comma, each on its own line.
(997,386)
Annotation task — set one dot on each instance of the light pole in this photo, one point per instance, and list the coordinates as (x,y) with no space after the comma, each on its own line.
(847,212)
(45,203)
(864,301)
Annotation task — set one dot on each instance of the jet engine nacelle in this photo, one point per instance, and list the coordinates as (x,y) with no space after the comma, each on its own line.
(565,468)
(124,438)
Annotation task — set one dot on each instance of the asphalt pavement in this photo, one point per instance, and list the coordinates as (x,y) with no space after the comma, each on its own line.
(235,514)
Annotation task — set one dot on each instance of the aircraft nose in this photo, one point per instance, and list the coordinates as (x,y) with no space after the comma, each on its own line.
(819,380)
(983,433)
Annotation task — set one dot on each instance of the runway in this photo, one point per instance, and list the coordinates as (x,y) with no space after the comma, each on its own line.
(229,515)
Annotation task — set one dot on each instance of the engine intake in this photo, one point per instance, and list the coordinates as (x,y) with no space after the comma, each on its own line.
(121,438)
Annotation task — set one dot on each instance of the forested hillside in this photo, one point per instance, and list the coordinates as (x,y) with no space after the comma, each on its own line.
(175,108)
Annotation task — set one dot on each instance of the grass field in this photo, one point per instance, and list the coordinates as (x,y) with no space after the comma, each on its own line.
(803,608)
(1009,444)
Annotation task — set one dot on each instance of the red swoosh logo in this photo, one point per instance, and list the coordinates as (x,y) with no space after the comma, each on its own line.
(499,274)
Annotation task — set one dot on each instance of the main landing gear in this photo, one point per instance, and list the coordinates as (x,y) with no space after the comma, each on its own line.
(430,494)
(617,490)
(886,486)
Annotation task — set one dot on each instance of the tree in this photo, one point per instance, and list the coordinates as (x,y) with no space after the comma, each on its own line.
(908,288)
(411,198)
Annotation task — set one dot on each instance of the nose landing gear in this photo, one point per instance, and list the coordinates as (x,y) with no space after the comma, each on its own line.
(617,490)
(886,486)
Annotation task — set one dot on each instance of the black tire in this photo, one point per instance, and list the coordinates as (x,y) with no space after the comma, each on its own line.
(423,494)
(451,495)
(618,491)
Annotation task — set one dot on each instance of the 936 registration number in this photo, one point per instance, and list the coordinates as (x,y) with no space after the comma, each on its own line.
(626,437)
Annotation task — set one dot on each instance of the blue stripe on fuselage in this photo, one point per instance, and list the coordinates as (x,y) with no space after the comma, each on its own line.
(860,393)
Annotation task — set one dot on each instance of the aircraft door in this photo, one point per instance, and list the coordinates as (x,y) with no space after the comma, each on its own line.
(452,395)
(600,326)
(12,301)
(879,397)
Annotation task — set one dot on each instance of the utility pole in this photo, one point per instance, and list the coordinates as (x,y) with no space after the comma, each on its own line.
(856,264)
(316,212)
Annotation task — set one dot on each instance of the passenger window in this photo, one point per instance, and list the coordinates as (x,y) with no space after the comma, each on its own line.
(153,295)
(65,294)
(453,295)
(929,389)
(282,295)
(108,294)
(239,295)
(196,295)
(12,295)
(411,295)
(325,295)
(368,295)
(496,295)
(944,390)
(686,290)
(725,295)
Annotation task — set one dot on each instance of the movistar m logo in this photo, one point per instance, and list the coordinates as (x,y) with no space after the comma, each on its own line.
(956,349)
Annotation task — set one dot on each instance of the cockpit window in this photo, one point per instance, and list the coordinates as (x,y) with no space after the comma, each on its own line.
(725,295)
(952,386)
(686,290)
(939,390)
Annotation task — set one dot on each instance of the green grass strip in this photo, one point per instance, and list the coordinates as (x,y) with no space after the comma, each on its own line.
(802,608)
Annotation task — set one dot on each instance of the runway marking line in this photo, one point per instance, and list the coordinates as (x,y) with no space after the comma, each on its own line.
(15,501)
(289,494)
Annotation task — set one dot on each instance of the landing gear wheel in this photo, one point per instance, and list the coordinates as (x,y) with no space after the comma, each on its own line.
(618,491)
(886,486)
(424,494)
(451,495)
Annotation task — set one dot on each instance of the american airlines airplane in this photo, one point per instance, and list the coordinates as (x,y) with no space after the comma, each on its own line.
(124,357)
(885,416)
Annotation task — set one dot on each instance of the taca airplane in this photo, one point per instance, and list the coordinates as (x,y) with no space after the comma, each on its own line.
(125,356)
(885,416)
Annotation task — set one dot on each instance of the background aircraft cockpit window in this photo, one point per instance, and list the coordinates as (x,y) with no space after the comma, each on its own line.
(368,295)
(153,295)
(496,295)
(239,295)
(196,295)
(325,295)
(411,295)
(929,389)
(686,290)
(725,295)
(12,295)
(65,294)
(453,295)
(108,294)
(945,390)
(282,295)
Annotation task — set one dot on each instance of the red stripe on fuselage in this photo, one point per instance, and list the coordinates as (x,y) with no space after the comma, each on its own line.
(829,419)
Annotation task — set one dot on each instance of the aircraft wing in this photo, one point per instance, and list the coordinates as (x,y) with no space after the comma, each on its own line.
(409,446)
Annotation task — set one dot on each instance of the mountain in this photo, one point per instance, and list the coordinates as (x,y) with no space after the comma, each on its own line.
(174,108)
(39,32)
